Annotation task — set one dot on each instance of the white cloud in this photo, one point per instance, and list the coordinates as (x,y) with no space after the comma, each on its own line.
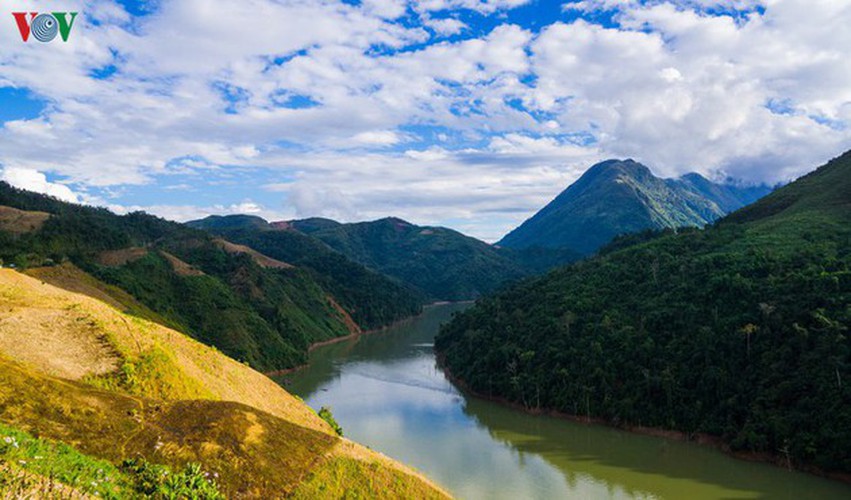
(185,213)
(377,138)
(477,132)
(33,180)
(483,6)
(446,26)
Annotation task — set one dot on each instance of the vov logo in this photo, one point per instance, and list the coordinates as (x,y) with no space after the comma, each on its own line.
(45,26)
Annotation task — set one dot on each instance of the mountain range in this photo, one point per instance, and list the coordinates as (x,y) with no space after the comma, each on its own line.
(612,198)
(434,262)
(620,197)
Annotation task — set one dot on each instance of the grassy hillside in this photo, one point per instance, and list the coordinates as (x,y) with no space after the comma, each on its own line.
(372,299)
(248,306)
(739,330)
(443,263)
(117,387)
(621,197)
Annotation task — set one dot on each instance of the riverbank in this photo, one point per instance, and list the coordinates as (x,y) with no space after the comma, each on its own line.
(701,439)
(354,335)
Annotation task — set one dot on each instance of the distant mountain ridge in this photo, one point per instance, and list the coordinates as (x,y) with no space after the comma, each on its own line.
(445,264)
(439,263)
(617,197)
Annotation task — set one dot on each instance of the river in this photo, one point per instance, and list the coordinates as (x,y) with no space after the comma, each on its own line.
(387,393)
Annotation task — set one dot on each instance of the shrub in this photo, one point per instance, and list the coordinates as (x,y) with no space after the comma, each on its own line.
(325,414)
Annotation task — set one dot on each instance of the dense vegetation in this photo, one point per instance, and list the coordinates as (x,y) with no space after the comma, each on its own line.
(31,467)
(739,330)
(372,299)
(444,264)
(265,316)
(621,197)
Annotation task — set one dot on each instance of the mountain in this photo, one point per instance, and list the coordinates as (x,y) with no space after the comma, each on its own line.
(739,330)
(619,197)
(95,402)
(372,299)
(444,264)
(254,308)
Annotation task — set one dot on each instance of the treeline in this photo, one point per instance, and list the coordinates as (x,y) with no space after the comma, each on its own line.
(739,330)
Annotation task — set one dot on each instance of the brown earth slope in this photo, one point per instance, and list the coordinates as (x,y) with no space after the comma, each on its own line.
(21,221)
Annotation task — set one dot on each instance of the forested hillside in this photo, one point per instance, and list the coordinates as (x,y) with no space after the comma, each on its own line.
(444,264)
(739,330)
(254,310)
(372,299)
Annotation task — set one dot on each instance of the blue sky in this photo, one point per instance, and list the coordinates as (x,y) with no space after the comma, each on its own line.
(466,113)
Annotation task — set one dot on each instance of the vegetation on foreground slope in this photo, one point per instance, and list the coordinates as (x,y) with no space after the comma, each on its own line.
(116,387)
(739,330)
(255,310)
(41,468)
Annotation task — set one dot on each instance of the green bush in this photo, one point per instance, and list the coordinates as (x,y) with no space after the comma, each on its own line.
(157,481)
(325,414)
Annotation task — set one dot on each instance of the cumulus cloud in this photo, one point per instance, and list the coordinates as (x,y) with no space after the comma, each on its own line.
(33,180)
(185,213)
(368,110)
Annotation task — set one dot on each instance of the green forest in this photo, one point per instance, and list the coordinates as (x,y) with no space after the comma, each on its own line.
(739,330)
(442,263)
(373,300)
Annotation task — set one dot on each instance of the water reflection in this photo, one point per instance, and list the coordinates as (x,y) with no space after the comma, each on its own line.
(386,392)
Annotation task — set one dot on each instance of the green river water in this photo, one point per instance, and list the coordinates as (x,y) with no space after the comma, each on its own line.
(386,392)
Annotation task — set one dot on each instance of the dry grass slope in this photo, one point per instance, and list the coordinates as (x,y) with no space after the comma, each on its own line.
(118,386)
(117,258)
(180,267)
(21,221)
(259,258)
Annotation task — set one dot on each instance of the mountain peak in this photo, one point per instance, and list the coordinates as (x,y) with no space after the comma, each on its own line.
(623,196)
(235,221)
(396,222)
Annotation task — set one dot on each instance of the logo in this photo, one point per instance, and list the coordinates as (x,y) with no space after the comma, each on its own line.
(45,26)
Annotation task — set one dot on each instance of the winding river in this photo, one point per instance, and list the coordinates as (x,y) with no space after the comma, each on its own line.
(386,392)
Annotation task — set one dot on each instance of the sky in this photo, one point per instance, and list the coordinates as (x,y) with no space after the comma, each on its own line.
(471,114)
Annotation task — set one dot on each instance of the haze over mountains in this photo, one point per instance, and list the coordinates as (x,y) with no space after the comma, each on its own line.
(621,197)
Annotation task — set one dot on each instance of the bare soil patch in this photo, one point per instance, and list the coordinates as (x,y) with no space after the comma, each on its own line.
(21,221)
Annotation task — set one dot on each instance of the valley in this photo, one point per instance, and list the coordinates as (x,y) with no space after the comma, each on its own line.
(152,330)
(404,250)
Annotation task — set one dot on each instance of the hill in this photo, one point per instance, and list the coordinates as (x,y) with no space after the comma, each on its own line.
(444,264)
(372,299)
(89,392)
(738,331)
(254,308)
(620,197)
